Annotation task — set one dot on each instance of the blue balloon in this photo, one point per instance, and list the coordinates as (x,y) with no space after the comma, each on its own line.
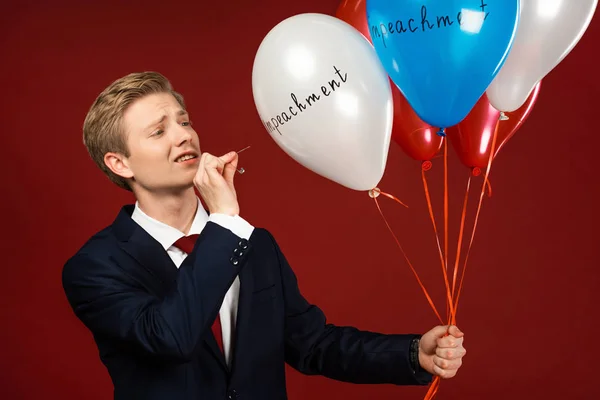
(442,54)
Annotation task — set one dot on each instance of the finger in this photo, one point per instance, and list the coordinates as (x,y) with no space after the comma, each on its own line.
(450,353)
(214,176)
(215,163)
(447,364)
(438,371)
(446,368)
(227,158)
(449,342)
(230,169)
(454,331)
(443,373)
(201,173)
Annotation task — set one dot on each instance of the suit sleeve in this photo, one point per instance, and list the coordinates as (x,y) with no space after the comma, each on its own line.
(111,304)
(314,347)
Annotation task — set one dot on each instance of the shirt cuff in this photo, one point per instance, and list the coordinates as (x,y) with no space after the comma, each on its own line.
(235,224)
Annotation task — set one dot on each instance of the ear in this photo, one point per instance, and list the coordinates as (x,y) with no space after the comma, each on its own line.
(118,164)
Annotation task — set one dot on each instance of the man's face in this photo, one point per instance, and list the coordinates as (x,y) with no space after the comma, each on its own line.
(164,150)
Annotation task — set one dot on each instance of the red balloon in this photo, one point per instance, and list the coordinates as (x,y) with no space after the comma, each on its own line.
(472,137)
(418,139)
(354,12)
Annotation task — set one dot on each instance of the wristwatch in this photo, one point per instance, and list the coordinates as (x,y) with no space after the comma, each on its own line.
(414,354)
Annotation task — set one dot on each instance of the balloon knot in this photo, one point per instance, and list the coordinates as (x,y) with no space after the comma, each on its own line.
(426,166)
(476,171)
(503,116)
(442,132)
(374,193)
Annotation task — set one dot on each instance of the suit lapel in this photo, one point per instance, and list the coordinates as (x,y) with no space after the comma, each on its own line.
(151,256)
(136,242)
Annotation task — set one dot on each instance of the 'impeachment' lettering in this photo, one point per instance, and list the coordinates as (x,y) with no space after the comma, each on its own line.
(302,105)
(426,23)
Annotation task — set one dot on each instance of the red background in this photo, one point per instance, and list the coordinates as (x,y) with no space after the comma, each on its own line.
(529,309)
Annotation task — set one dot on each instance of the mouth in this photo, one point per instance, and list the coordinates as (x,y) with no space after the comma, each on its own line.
(187,157)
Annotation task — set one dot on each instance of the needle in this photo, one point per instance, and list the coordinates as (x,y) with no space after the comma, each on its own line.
(242,170)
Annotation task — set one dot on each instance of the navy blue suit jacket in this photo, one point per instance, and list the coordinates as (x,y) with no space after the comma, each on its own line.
(151,321)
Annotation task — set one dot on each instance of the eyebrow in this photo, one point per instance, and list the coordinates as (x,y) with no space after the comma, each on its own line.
(179,113)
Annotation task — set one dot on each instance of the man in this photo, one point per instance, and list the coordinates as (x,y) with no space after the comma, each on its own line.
(185,304)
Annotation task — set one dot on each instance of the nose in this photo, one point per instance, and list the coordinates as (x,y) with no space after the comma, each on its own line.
(182,135)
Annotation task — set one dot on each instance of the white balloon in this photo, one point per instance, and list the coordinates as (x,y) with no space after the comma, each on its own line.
(325,98)
(547,32)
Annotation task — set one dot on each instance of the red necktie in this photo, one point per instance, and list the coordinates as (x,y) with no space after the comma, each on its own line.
(186,244)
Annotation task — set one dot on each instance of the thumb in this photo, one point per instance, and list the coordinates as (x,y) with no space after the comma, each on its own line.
(439,331)
(227,158)
(454,331)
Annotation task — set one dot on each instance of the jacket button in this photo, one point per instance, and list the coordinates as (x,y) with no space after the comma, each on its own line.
(234,261)
(238,253)
(243,244)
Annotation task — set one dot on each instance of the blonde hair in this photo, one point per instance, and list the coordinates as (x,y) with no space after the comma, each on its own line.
(103,128)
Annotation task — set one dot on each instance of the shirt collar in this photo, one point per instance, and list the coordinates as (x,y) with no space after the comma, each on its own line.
(165,234)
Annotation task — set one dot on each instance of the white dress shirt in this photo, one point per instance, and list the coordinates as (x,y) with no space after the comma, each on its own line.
(167,235)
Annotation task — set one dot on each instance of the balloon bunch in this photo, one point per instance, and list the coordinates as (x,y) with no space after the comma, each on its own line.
(334,91)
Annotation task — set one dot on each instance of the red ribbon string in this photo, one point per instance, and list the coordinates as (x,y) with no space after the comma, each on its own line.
(404,253)
(482,194)
(459,244)
(437,237)
(489,186)
(452,294)
(433,389)
(449,310)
